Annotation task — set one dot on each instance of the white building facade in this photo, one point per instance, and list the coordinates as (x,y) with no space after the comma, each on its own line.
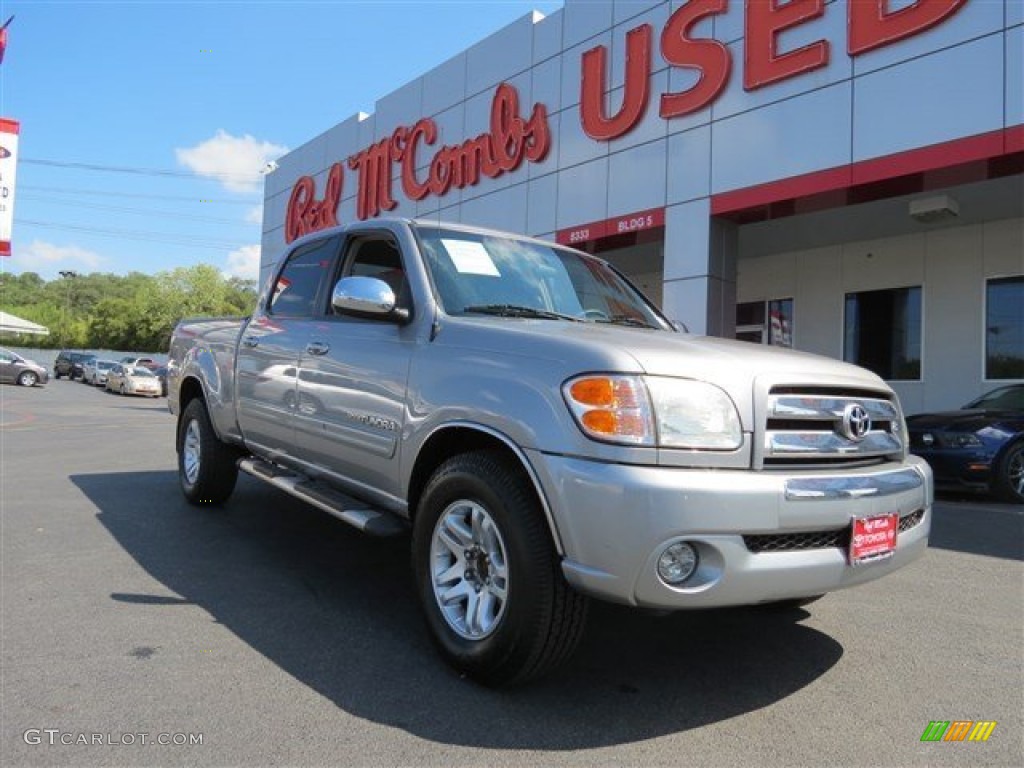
(843,177)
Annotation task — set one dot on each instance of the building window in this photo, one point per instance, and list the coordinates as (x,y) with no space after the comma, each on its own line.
(882,332)
(1004,328)
(766,322)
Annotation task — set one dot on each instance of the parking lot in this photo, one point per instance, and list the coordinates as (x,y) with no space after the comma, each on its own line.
(279,636)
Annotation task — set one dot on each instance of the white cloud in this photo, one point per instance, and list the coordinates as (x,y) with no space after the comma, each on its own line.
(244,263)
(234,161)
(47,259)
(255,214)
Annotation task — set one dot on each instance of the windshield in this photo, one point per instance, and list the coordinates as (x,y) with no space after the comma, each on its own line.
(1004,398)
(494,275)
(142,372)
(104,365)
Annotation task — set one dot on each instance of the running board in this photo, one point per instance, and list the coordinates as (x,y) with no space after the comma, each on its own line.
(367,519)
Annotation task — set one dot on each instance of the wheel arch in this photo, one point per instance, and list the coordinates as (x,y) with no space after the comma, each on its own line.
(464,437)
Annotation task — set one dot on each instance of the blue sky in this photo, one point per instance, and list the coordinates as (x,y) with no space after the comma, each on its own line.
(177,91)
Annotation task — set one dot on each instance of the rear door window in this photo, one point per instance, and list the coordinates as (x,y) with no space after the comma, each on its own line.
(298,290)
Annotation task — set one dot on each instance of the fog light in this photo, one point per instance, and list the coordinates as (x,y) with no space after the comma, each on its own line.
(677,563)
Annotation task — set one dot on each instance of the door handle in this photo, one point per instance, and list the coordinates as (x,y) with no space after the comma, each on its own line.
(318,348)
(251,341)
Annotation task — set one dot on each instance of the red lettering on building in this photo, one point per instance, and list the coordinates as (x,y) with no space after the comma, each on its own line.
(635,95)
(510,140)
(872,25)
(765,20)
(307,214)
(620,225)
(709,57)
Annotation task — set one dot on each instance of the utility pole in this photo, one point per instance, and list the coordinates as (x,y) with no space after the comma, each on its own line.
(69,275)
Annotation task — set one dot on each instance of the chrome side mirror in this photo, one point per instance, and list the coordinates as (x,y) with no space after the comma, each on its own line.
(367,297)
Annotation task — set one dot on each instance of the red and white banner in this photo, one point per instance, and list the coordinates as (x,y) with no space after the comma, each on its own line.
(8,170)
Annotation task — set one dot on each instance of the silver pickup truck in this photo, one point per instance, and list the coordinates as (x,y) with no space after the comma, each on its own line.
(546,435)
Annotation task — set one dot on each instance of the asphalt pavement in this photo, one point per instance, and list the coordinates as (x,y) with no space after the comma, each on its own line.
(268,633)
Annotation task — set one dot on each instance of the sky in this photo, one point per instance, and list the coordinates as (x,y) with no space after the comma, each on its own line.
(144,125)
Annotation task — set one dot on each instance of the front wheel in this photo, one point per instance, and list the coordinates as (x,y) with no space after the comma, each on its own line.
(488,576)
(27,379)
(206,466)
(1009,483)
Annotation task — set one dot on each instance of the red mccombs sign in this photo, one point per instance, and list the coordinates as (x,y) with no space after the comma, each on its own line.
(512,139)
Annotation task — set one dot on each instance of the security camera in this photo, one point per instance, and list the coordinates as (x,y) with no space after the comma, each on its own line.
(270,167)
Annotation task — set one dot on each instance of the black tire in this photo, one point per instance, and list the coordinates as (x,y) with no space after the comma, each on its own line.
(211,481)
(28,378)
(1009,480)
(542,618)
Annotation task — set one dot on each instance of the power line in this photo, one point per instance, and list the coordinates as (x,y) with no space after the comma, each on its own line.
(154,237)
(141,211)
(138,170)
(104,193)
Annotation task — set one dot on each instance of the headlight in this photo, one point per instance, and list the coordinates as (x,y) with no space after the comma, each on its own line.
(694,414)
(961,440)
(654,410)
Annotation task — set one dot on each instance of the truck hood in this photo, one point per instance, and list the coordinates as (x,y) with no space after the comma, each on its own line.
(740,368)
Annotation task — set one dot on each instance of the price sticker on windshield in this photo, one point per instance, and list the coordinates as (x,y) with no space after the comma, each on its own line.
(471,258)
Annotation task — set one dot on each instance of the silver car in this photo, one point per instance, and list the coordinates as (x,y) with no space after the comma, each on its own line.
(95,372)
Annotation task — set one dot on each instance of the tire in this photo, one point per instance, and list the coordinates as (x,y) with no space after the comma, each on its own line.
(519,617)
(28,378)
(1009,481)
(206,466)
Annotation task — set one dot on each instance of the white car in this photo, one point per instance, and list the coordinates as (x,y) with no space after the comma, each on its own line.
(133,380)
(95,372)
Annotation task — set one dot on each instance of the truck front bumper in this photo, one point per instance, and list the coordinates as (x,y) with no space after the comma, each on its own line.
(760,536)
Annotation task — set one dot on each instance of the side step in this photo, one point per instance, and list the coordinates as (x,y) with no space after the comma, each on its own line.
(367,519)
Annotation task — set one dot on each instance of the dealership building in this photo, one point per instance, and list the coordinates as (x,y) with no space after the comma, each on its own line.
(842,177)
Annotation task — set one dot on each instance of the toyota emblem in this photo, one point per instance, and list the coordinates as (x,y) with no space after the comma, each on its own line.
(856,422)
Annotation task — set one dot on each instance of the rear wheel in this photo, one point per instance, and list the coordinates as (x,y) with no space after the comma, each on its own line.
(27,378)
(1009,483)
(206,466)
(488,576)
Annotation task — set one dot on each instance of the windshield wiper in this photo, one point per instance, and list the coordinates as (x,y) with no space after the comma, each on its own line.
(514,310)
(629,320)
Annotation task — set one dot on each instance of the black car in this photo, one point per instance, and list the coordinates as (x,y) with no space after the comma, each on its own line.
(70,364)
(979,447)
(161,373)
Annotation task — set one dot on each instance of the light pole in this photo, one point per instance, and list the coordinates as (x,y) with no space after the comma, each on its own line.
(68,275)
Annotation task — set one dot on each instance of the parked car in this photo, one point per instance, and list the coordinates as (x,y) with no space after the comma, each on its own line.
(161,374)
(145,362)
(15,369)
(132,380)
(70,364)
(95,372)
(979,447)
(547,434)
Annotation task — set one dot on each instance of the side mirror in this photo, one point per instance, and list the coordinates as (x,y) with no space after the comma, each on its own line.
(367,297)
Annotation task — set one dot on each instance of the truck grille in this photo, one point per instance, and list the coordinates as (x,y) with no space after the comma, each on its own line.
(796,541)
(825,427)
